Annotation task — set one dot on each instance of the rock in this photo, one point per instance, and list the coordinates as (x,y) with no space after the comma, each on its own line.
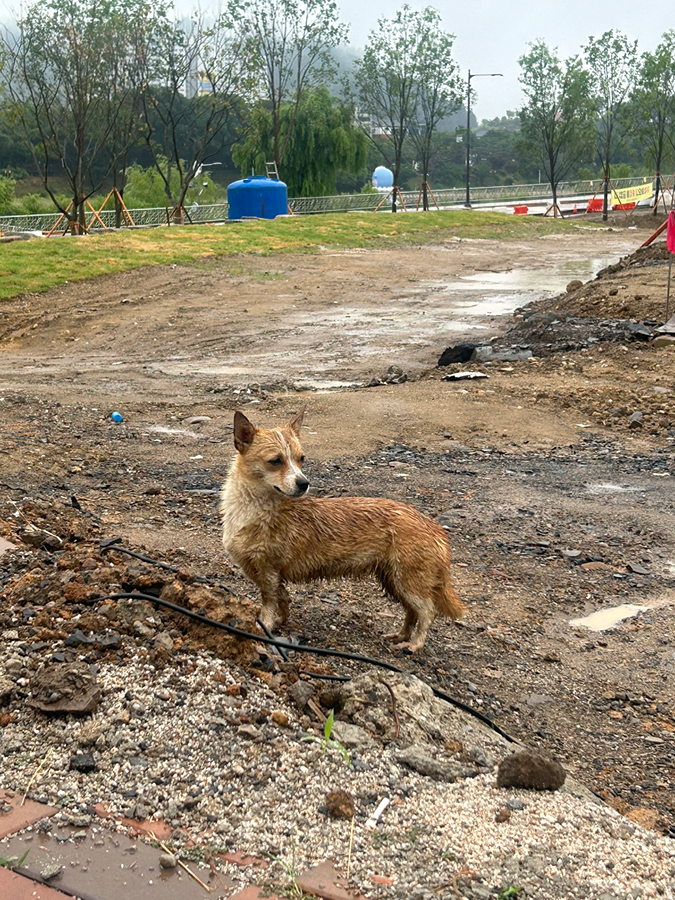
(198,420)
(635,421)
(77,638)
(503,814)
(168,861)
(64,688)
(144,631)
(637,569)
(639,332)
(420,760)
(280,718)
(530,770)
(340,804)
(460,353)
(515,804)
(395,375)
(574,286)
(83,762)
(163,641)
(353,737)
(300,693)
(664,340)
(248,731)
(6,688)
(50,870)
(570,554)
(534,700)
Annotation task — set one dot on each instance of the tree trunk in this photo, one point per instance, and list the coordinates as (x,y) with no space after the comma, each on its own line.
(605,195)
(425,193)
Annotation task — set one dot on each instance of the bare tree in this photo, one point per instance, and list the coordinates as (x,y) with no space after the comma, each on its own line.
(288,45)
(612,62)
(194,73)
(438,89)
(56,73)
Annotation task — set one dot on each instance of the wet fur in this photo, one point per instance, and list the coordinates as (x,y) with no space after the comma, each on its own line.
(278,534)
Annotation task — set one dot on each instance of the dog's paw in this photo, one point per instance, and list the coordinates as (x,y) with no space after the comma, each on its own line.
(410,646)
(395,637)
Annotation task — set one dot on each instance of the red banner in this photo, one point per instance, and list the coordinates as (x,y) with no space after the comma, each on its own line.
(671,231)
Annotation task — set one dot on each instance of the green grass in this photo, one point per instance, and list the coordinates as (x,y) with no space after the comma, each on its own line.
(38,265)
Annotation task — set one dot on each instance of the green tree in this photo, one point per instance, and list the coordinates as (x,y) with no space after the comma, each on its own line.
(386,81)
(322,141)
(556,123)
(612,63)
(288,47)
(654,103)
(438,88)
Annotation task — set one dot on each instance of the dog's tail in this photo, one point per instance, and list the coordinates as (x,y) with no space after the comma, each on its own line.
(448,603)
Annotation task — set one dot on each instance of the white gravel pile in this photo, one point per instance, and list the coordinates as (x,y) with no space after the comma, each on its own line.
(227,766)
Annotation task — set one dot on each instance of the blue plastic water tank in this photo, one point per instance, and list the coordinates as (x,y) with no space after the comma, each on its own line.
(383,178)
(259,196)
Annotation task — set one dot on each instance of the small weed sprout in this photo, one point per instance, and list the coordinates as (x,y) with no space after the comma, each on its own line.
(293,890)
(510,893)
(11,862)
(327,742)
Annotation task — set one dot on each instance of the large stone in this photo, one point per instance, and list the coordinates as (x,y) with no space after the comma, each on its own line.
(340,804)
(65,688)
(353,737)
(420,760)
(664,340)
(460,353)
(530,770)
(300,693)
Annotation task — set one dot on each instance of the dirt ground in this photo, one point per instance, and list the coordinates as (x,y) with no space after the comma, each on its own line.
(539,458)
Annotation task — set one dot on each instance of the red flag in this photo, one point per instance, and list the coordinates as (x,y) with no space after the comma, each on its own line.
(671,231)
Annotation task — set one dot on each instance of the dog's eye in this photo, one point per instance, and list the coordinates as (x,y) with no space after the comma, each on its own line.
(277,461)
(301,460)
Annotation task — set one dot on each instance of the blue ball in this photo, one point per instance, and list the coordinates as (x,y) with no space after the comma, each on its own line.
(116,417)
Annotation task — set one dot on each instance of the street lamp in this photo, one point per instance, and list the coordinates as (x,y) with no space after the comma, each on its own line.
(467,202)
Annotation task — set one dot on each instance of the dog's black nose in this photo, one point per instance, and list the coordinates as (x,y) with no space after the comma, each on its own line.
(301,484)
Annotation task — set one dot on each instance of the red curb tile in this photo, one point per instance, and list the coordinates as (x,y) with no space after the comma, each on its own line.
(326,882)
(18,887)
(381,879)
(253,892)
(243,859)
(20,817)
(6,546)
(160,829)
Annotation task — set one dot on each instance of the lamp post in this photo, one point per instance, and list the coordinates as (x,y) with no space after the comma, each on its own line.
(467,202)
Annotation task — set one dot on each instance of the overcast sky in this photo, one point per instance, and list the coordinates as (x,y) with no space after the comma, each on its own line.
(492,34)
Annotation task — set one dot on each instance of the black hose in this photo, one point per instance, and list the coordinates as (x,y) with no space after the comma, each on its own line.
(302,648)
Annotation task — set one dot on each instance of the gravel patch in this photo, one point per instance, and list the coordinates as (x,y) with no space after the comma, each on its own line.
(198,743)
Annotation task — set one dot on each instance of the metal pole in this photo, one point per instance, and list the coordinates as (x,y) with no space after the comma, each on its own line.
(670,266)
(467,202)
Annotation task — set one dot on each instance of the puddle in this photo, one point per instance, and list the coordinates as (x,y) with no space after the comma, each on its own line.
(604,619)
(106,866)
(331,348)
(609,488)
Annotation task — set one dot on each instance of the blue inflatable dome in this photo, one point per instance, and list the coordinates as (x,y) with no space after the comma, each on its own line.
(258,197)
(383,178)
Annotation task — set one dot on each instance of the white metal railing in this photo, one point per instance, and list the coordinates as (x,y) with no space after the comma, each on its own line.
(339,203)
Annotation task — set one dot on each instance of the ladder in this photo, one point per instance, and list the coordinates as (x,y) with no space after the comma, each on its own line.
(271,170)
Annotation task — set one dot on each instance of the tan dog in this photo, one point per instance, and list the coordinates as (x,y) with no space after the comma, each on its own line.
(277,534)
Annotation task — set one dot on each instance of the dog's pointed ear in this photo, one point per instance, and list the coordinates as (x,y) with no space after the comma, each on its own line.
(244,432)
(295,423)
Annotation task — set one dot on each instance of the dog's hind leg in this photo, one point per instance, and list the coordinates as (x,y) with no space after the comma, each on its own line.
(397,637)
(283,603)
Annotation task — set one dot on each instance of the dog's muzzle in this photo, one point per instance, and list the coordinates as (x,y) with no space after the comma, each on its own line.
(301,486)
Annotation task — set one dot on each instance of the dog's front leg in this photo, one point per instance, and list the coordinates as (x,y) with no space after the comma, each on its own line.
(271,593)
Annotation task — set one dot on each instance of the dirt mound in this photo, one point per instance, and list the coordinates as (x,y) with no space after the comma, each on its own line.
(61,594)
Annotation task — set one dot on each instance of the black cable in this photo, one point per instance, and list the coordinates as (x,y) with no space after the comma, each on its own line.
(303,648)
(281,651)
